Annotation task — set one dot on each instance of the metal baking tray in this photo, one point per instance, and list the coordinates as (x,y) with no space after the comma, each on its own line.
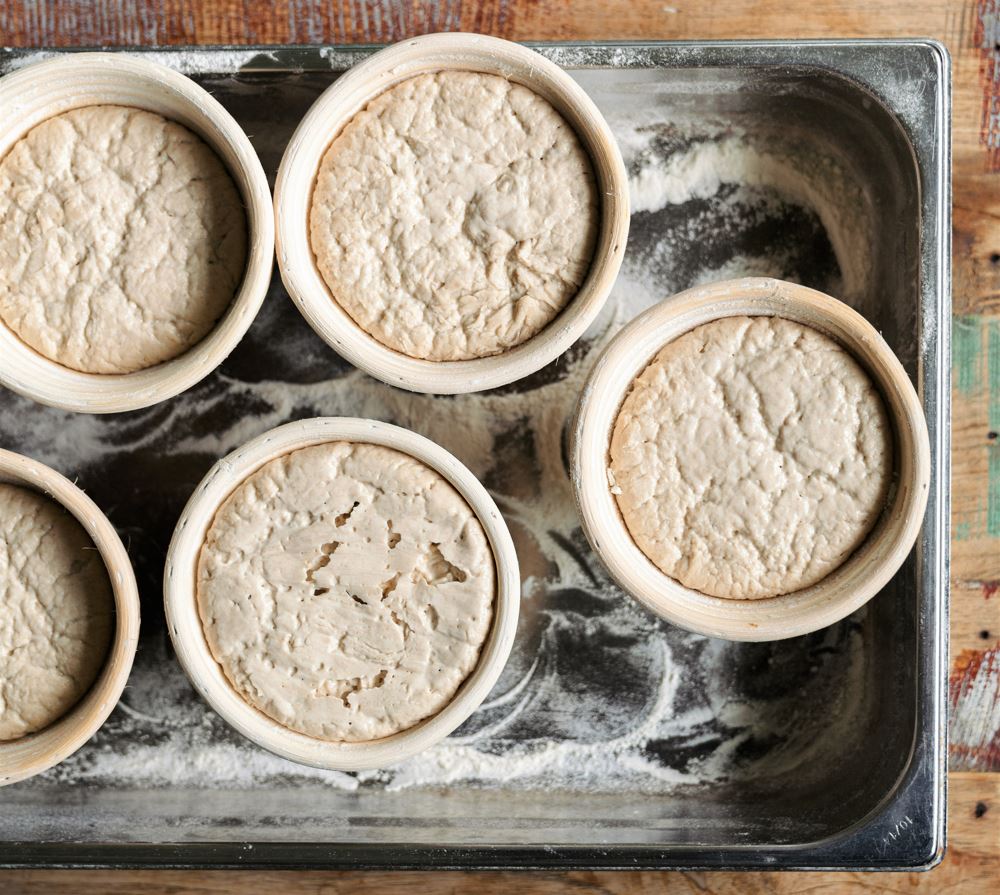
(613,740)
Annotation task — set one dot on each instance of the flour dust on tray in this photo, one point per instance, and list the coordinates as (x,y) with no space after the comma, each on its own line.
(598,694)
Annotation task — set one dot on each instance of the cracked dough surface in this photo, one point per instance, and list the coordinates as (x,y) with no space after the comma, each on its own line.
(122,239)
(455,216)
(346,590)
(56,611)
(751,457)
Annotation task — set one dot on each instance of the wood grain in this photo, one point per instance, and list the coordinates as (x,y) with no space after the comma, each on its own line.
(111,22)
(970,30)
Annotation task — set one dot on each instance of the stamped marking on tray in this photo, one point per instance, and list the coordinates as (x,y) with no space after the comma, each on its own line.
(897,831)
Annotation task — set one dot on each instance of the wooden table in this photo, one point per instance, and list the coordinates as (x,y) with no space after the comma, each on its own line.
(971,31)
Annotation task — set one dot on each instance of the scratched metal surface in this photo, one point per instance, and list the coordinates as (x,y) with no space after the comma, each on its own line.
(612,739)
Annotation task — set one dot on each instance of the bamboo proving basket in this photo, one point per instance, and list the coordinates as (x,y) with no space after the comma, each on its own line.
(187,633)
(36,752)
(349,95)
(45,89)
(845,589)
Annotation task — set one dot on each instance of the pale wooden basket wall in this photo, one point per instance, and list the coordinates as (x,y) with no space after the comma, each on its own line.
(848,587)
(40,91)
(349,95)
(188,636)
(39,751)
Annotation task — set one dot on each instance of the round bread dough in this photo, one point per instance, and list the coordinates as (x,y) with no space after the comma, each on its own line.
(56,612)
(346,590)
(751,457)
(122,239)
(455,216)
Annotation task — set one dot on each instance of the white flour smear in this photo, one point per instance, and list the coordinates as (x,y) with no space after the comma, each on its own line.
(187,62)
(598,694)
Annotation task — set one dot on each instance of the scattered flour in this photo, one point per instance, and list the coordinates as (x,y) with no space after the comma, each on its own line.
(820,185)
(559,717)
(187,62)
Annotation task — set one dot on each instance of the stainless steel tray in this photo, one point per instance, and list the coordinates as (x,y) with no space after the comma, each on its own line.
(612,739)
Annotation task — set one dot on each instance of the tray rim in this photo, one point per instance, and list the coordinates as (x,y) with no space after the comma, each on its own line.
(922,849)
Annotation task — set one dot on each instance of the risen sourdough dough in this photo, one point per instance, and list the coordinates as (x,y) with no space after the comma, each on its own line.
(751,457)
(346,590)
(455,216)
(122,239)
(56,612)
